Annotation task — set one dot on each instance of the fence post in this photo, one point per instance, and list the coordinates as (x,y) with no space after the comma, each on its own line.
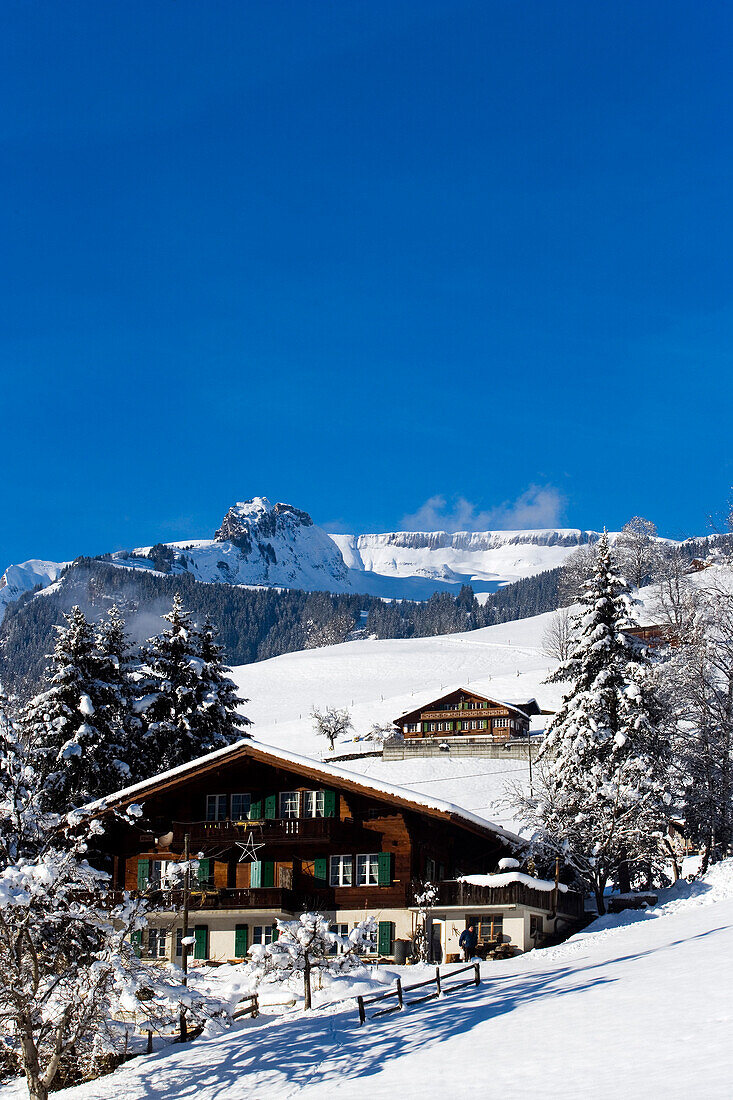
(362,1013)
(255,1007)
(399,992)
(478,973)
(437,978)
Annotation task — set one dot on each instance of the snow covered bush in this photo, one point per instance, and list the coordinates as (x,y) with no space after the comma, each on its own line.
(305,945)
(425,898)
(379,734)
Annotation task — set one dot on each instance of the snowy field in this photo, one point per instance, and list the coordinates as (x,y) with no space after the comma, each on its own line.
(379,680)
(638,1005)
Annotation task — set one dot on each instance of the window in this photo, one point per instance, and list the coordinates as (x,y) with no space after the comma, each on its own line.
(179,942)
(156,943)
(240,806)
(412,727)
(290,804)
(367,870)
(342,871)
(489,927)
(263,933)
(315,804)
(216,807)
(535,925)
(160,873)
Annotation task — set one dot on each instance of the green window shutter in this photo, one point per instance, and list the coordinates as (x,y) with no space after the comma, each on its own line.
(385,869)
(143,873)
(483,724)
(255,810)
(275,933)
(385,937)
(201,935)
(329,803)
(241,937)
(255,874)
(136,939)
(268,873)
(320,866)
(205,870)
(271,807)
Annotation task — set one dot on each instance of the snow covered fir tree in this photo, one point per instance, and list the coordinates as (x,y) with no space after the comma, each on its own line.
(79,720)
(188,704)
(602,796)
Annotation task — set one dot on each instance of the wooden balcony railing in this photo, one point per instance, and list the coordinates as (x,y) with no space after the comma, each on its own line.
(278,830)
(465,712)
(211,897)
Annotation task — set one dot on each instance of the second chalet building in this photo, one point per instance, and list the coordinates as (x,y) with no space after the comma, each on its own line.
(463,713)
(278,834)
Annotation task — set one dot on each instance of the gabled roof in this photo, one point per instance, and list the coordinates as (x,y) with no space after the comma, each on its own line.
(309,769)
(523,709)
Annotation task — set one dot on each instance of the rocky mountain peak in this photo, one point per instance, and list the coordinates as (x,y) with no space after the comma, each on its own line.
(249,521)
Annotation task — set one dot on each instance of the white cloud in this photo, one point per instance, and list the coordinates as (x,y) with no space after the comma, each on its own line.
(538,506)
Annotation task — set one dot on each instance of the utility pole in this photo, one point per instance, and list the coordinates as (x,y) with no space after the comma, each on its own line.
(529,756)
(184,934)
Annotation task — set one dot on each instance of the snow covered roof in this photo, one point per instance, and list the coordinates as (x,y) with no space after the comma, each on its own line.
(525,707)
(270,754)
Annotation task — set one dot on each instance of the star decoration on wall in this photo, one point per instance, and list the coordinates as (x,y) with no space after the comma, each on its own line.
(249,849)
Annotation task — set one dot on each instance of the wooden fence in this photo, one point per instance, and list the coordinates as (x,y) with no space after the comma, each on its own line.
(439,981)
(252,1008)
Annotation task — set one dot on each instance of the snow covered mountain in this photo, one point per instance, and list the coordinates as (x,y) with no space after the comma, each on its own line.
(277,545)
(18,579)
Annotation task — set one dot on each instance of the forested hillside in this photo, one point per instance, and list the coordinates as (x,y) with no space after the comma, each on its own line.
(253,624)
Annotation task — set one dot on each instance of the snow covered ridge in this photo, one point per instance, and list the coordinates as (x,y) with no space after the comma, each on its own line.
(279,546)
(18,579)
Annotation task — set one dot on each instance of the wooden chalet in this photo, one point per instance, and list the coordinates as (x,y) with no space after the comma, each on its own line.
(278,834)
(656,636)
(466,713)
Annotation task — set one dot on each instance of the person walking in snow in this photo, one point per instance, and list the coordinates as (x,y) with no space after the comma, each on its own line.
(468,942)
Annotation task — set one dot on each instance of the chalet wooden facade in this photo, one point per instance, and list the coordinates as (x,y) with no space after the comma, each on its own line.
(466,713)
(277,834)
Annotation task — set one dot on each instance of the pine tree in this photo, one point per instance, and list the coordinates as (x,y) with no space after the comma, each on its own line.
(117,674)
(188,703)
(66,721)
(217,695)
(603,797)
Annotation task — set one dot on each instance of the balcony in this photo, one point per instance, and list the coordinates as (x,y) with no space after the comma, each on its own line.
(276,831)
(263,898)
(569,903)
(465,712)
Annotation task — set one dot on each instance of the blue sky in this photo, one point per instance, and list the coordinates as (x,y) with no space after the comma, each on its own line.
(461,262)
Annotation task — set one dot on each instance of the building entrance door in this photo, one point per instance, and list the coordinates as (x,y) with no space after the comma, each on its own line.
(437,941)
